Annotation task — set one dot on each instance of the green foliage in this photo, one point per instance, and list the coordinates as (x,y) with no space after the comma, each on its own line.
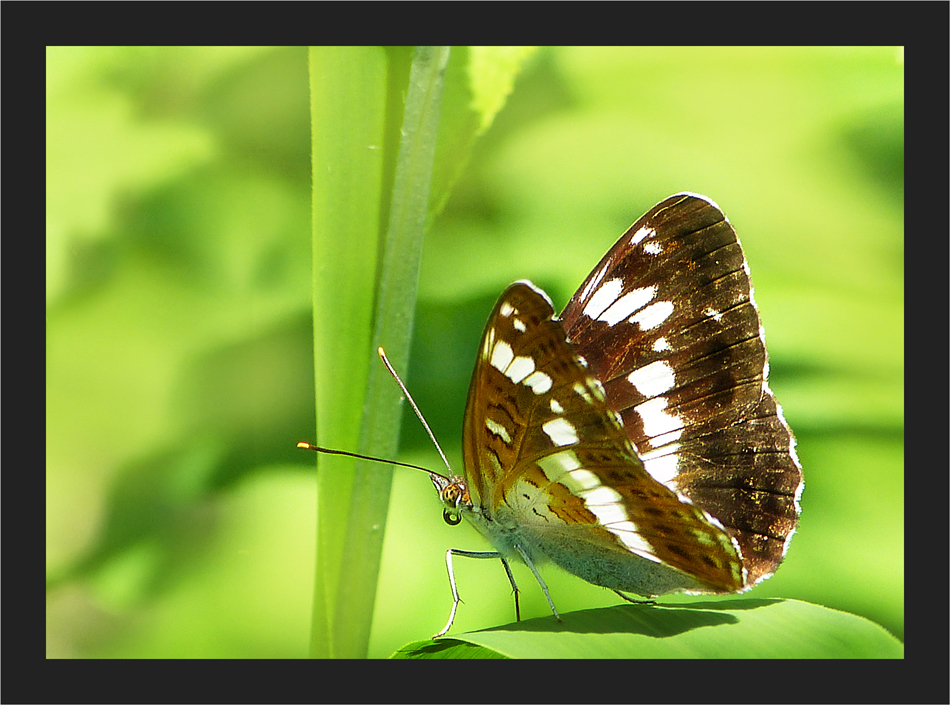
(746,628)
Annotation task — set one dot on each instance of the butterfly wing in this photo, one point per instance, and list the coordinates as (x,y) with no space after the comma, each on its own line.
(551,469)
(668,324)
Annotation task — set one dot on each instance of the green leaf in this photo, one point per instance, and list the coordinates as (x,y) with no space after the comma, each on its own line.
(741,628)
(375,128)
(372,167)
(478,81)
(348,88)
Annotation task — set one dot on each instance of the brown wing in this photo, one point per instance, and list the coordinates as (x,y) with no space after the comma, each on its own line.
(667,322)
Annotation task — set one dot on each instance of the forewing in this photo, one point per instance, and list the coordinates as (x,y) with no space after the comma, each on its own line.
(667,322)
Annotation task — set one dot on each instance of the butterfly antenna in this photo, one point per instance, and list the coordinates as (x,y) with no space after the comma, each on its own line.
(348,454)
(408,396)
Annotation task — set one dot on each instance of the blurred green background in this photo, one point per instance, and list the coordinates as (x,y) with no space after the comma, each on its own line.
(180,518)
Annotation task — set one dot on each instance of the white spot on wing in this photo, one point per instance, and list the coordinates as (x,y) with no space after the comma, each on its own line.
(604,498)
(560,431)
(663,468)
(653,315)
(590,390)
(628,533)
(656,420)
(519,368)
(556,407)
(489,344)
(666,438)
(605,503)
(653,379)
(539,382)
(582,391)
(661,345)
(579,480)
(603,298)
(627,304)
(653,248)
(498,430)
(501,355)
(595,280)
(596,388)
(518,324)
(556,465)
(641,235)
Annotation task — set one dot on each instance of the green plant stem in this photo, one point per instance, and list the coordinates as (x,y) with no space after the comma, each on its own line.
(352,91)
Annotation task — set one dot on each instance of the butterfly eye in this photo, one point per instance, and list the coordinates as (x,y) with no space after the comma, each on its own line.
(451,518)
(450,495)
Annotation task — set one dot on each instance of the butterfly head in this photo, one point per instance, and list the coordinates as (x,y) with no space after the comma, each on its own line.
(454,495)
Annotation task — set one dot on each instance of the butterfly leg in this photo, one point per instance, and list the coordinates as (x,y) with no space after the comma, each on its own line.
(634,600)
(455,593)
(514,587)
(537,575)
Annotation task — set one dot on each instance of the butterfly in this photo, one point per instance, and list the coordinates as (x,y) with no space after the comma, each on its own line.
(633,439)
